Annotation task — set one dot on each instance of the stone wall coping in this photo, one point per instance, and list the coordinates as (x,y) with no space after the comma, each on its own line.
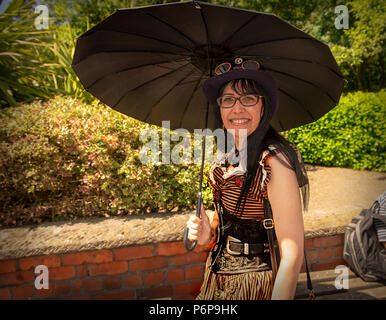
(105,233)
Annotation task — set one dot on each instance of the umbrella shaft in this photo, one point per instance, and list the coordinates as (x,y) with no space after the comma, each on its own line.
(203,147)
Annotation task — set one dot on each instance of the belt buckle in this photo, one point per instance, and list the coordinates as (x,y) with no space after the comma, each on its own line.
(268,223)
(229,249)
(246,249)
(245,246)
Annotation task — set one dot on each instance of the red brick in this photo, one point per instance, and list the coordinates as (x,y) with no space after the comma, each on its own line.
(121,295)
(131,253)
(134,280)
(194,272)
(338,239)
(93,284)
(312,255)
(62,288)
(326,265)
(328,241)
(97,256)
(44,293)
(155,292)
(61,273)
(76,286)
(8,266)
(28,263)
(325,253)
(319,242)
(189,258)
(112,283)
(338,252)
(5,293)
(117,267)
(148,264)
(308,244)
(187,288)
(23,292)
(170,248)
(16,278)
(175,275)
(154,278)
(82,271)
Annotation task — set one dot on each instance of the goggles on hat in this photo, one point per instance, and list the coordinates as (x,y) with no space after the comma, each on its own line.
(238,64)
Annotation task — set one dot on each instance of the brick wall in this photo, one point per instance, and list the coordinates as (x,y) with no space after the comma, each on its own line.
(136,272)
(325,253)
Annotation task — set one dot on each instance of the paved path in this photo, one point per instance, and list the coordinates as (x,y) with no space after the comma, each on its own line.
(324,287)
(338,194)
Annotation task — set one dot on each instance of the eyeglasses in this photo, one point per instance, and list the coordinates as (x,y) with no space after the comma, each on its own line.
(247,100)
(227,66)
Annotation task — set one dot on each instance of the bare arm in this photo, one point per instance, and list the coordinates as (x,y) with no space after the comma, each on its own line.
(284,196)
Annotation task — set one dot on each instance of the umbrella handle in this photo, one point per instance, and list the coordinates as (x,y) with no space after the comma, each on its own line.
(186,240)
(189,247)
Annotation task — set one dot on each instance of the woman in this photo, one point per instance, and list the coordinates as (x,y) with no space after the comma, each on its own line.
(246,100)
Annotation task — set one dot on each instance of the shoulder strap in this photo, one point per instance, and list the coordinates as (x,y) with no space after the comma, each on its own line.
(274,260)
(270,236)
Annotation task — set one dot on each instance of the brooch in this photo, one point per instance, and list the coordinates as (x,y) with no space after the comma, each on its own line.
(239,182)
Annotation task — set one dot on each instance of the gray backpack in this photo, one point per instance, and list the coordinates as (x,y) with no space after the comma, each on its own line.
(362,251)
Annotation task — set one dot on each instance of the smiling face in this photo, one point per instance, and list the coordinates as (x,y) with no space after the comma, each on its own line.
(239,117)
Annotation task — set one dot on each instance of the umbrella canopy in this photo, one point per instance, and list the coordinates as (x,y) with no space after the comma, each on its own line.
(150,62)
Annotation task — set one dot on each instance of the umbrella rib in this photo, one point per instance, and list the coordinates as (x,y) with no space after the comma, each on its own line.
(241,27)
(274,40)
(206,27)
(147,82)
(146,37)
(163,97)
(303,80)
(126,51)
(190,99)
(172,27)
(282,126)
(208,42)
(133,68)
(297,101)
(293,59)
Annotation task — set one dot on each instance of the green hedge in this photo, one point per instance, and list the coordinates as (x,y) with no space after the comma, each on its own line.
(352,135)
(64,159)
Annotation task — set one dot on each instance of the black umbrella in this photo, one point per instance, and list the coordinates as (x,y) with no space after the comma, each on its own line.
(150,63)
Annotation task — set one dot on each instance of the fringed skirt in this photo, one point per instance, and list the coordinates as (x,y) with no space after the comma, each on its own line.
(253,285)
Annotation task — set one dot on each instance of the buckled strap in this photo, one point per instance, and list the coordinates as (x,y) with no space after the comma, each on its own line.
(236,247)
(247,248)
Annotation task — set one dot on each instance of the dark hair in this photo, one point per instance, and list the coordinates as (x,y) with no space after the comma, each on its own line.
(259,140)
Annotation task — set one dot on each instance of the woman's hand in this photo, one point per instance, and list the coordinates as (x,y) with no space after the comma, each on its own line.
(199,228)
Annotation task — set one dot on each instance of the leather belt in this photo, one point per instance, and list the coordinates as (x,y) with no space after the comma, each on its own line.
(236,247)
